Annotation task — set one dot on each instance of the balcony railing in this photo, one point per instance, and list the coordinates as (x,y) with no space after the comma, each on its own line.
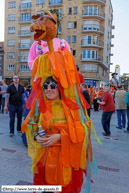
(28,20)
(95,13)
(55,2)
(95,1)
(96,43)
(113,27)
(112,45)
(23,58)
(24,33)
(90,57)
(92,27)
(24,46)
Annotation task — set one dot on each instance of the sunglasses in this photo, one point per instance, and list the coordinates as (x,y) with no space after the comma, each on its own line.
(52,85)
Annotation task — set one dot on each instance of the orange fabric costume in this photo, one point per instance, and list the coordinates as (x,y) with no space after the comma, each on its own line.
(100,93)
(67,116)
(95,94)
(64,162)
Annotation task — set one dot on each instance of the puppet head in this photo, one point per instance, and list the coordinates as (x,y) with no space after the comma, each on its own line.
(45,26)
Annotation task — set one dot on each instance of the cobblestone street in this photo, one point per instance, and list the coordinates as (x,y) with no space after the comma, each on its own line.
(112,158)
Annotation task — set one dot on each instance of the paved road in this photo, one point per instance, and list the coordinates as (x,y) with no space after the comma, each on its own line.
(112,158)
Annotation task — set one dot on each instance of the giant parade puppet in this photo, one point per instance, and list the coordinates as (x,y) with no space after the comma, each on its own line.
(68,159)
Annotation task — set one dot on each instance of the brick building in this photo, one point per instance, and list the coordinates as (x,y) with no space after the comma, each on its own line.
(85,24)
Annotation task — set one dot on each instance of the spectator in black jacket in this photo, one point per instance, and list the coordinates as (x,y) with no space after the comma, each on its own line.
(14,95)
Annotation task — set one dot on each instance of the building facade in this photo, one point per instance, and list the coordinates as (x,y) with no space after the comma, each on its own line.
(125,80)
(85,24)
(1,59)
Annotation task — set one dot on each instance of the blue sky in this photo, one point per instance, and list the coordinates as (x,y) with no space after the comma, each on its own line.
(121,41)
(121,32)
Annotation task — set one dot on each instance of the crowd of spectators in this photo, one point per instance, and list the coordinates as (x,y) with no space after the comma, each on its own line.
(107,99)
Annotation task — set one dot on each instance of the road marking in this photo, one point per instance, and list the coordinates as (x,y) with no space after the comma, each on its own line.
(109,169)
(8,150)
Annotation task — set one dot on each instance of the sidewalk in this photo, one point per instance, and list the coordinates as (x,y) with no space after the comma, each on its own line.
(112,158)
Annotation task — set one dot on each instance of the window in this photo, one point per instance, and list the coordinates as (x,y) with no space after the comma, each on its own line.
(89,68)
(24,68)
(25,54)
(90,40)
(109,22)
(75,24)
(69,25)
(11,54)
(103,72)
(12,17)
(40,2)
(74,52)
(40,12)
(108,35)
(74,39)
(60,13)
(25,17)
(12,4)
(75,10)
(89,54)
(11,42)
(24,57)
(55,2)
(11,67)
(107,60)
(70,10)
(25,43)
(25,30)
(26,4)
(59,28)
(91,10)
(107,47)
(69,39)
(91,25)
(11,30)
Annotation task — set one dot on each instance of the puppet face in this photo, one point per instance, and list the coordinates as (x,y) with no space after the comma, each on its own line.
(51,91)
(45,26)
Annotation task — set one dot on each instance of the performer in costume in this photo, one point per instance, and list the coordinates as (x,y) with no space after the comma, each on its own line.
(65,152)
(96,95)
(114,82)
